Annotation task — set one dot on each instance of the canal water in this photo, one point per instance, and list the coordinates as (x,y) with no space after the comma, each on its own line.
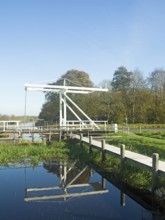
(63,191)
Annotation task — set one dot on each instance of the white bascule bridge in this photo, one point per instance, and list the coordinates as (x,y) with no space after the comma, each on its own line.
(65,102)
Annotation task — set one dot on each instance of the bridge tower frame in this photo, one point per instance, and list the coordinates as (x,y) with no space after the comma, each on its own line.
(64,100)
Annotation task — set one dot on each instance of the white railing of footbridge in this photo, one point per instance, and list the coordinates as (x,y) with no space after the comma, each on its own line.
(70,125)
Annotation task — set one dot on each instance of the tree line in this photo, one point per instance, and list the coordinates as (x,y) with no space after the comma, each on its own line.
(18,118)
(130,97)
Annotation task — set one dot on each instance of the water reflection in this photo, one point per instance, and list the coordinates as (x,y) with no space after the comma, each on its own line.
(60,190)
(74,181)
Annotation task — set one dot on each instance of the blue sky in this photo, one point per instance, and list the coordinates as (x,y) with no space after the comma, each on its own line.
(42,39)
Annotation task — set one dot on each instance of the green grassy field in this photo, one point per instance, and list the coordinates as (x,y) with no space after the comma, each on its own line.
(146,142)
(152,134)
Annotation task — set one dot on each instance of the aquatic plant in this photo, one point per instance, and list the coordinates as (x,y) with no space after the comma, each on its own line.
(33,152)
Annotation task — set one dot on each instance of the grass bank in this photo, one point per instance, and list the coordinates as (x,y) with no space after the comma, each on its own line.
(111,166)
(126,176)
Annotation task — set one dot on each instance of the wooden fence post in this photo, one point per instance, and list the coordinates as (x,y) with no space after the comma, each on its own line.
(155,169)
(122,156)
(122,152)
(103,150)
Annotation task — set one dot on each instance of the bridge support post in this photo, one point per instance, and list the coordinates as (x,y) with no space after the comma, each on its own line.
(50,136)
(81,139)
(32,137)
(90,144)
(71,134)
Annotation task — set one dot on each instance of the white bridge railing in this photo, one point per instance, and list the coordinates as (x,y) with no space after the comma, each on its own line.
(85,124)
(70,125)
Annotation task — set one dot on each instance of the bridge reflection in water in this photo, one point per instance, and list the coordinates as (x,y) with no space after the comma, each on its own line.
(74,181)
